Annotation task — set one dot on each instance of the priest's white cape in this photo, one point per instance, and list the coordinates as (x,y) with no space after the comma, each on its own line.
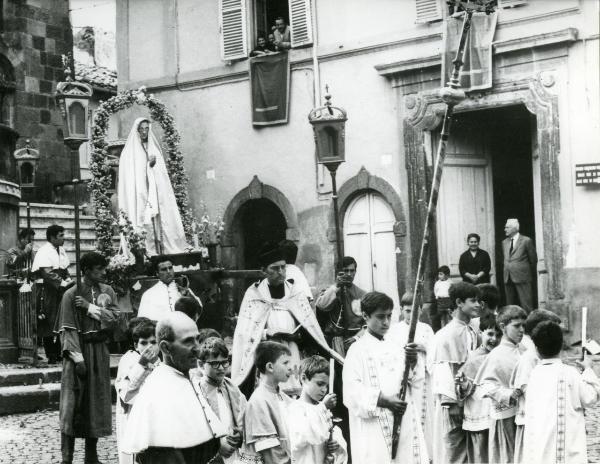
(254,312)
(168,413)
(146,192)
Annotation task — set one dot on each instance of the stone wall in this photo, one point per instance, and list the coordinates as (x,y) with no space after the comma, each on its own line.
(34,35)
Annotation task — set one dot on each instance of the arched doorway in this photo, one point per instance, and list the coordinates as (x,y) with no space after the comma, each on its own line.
(256,222)
(369,238)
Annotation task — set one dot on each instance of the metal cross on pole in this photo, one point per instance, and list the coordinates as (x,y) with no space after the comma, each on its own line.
(452,95)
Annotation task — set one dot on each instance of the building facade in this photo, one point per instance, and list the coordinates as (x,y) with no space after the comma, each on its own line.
(513,151)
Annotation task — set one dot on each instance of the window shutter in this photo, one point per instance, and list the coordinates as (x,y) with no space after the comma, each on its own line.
(300,22)
(233,29)
(428,11)
(511,3)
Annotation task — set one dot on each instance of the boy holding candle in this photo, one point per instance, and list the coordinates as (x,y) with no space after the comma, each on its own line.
(312,433)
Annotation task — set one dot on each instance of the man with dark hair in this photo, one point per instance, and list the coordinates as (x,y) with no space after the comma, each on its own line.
(557,396)
(475,264)
(179,427)
(273,309)
(341,304)
(50,267)
(293,272)
(21,254)
(281,31)
(88,314)
(160,299)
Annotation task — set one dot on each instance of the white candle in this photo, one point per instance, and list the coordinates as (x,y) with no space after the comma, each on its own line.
(584,311)
(331,374)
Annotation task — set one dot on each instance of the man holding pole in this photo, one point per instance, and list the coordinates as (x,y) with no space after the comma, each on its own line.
(87,316)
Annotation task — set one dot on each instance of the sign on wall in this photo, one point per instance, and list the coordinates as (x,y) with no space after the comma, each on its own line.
(587,174)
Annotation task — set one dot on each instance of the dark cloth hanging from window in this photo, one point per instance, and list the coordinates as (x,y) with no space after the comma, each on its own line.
(270,83)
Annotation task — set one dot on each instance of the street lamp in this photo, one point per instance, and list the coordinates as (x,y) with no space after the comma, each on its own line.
(27,159)
(73,100)
(329,129)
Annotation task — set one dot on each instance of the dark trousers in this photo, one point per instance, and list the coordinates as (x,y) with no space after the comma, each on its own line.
(519,294)
(52,348)
(67,446)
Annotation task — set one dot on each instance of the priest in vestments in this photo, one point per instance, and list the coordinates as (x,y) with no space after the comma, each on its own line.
(88,315)
(372,376)
(170,422)
(145,192)
(274,309)
(51,270)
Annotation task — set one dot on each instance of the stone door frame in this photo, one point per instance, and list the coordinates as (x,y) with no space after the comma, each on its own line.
(424,113)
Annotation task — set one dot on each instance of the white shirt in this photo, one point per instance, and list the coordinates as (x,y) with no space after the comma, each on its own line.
(50,256)
(441,288)
(159,300)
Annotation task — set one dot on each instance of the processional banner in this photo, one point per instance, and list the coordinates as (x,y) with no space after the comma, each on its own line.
(476,73)
(270,84)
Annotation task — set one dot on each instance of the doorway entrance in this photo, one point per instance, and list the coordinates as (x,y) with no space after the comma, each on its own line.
(257,221)
(488,178)
(369,238)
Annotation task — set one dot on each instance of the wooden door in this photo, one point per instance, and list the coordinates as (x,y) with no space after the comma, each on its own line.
(369,238)
(466,202)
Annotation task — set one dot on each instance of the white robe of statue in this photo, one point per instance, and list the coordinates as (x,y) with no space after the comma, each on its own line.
(146,194)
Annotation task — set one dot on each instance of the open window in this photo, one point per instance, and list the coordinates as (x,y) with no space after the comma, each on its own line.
(235,40)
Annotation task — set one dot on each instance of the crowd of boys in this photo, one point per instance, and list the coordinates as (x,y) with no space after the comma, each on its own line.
(488,387)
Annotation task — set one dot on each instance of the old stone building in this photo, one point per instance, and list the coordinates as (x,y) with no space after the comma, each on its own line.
(513,151)
(33,36)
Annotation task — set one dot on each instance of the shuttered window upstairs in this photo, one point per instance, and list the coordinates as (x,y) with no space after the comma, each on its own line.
(300,22)
(428,11)
(233,29)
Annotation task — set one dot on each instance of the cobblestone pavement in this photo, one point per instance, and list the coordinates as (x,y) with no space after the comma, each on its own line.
(34,438)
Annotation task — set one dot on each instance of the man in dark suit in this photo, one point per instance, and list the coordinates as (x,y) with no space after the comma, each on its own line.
(520,266)
(475,264)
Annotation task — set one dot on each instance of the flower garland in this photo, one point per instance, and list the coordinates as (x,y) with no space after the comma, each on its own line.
(100,182)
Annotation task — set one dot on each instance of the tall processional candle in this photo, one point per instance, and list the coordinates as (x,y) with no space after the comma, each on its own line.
(331,374)
(584,312)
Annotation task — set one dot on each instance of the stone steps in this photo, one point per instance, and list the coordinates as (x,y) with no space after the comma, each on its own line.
(33,389)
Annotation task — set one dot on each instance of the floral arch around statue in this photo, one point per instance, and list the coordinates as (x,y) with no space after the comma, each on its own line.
(100,169)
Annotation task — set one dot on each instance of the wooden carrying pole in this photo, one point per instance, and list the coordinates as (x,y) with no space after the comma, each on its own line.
(451,95)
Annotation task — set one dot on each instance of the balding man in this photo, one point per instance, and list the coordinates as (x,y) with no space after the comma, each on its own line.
(171,421)
(520,266)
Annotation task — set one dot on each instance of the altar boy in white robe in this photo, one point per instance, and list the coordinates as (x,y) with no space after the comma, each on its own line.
(452,345)
(372,375)
(313,436)
(557,395)
(494,378)
(420,389)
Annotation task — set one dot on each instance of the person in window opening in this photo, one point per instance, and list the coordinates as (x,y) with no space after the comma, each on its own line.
(281,32)
(475,264)
(271,42)
(262,48)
